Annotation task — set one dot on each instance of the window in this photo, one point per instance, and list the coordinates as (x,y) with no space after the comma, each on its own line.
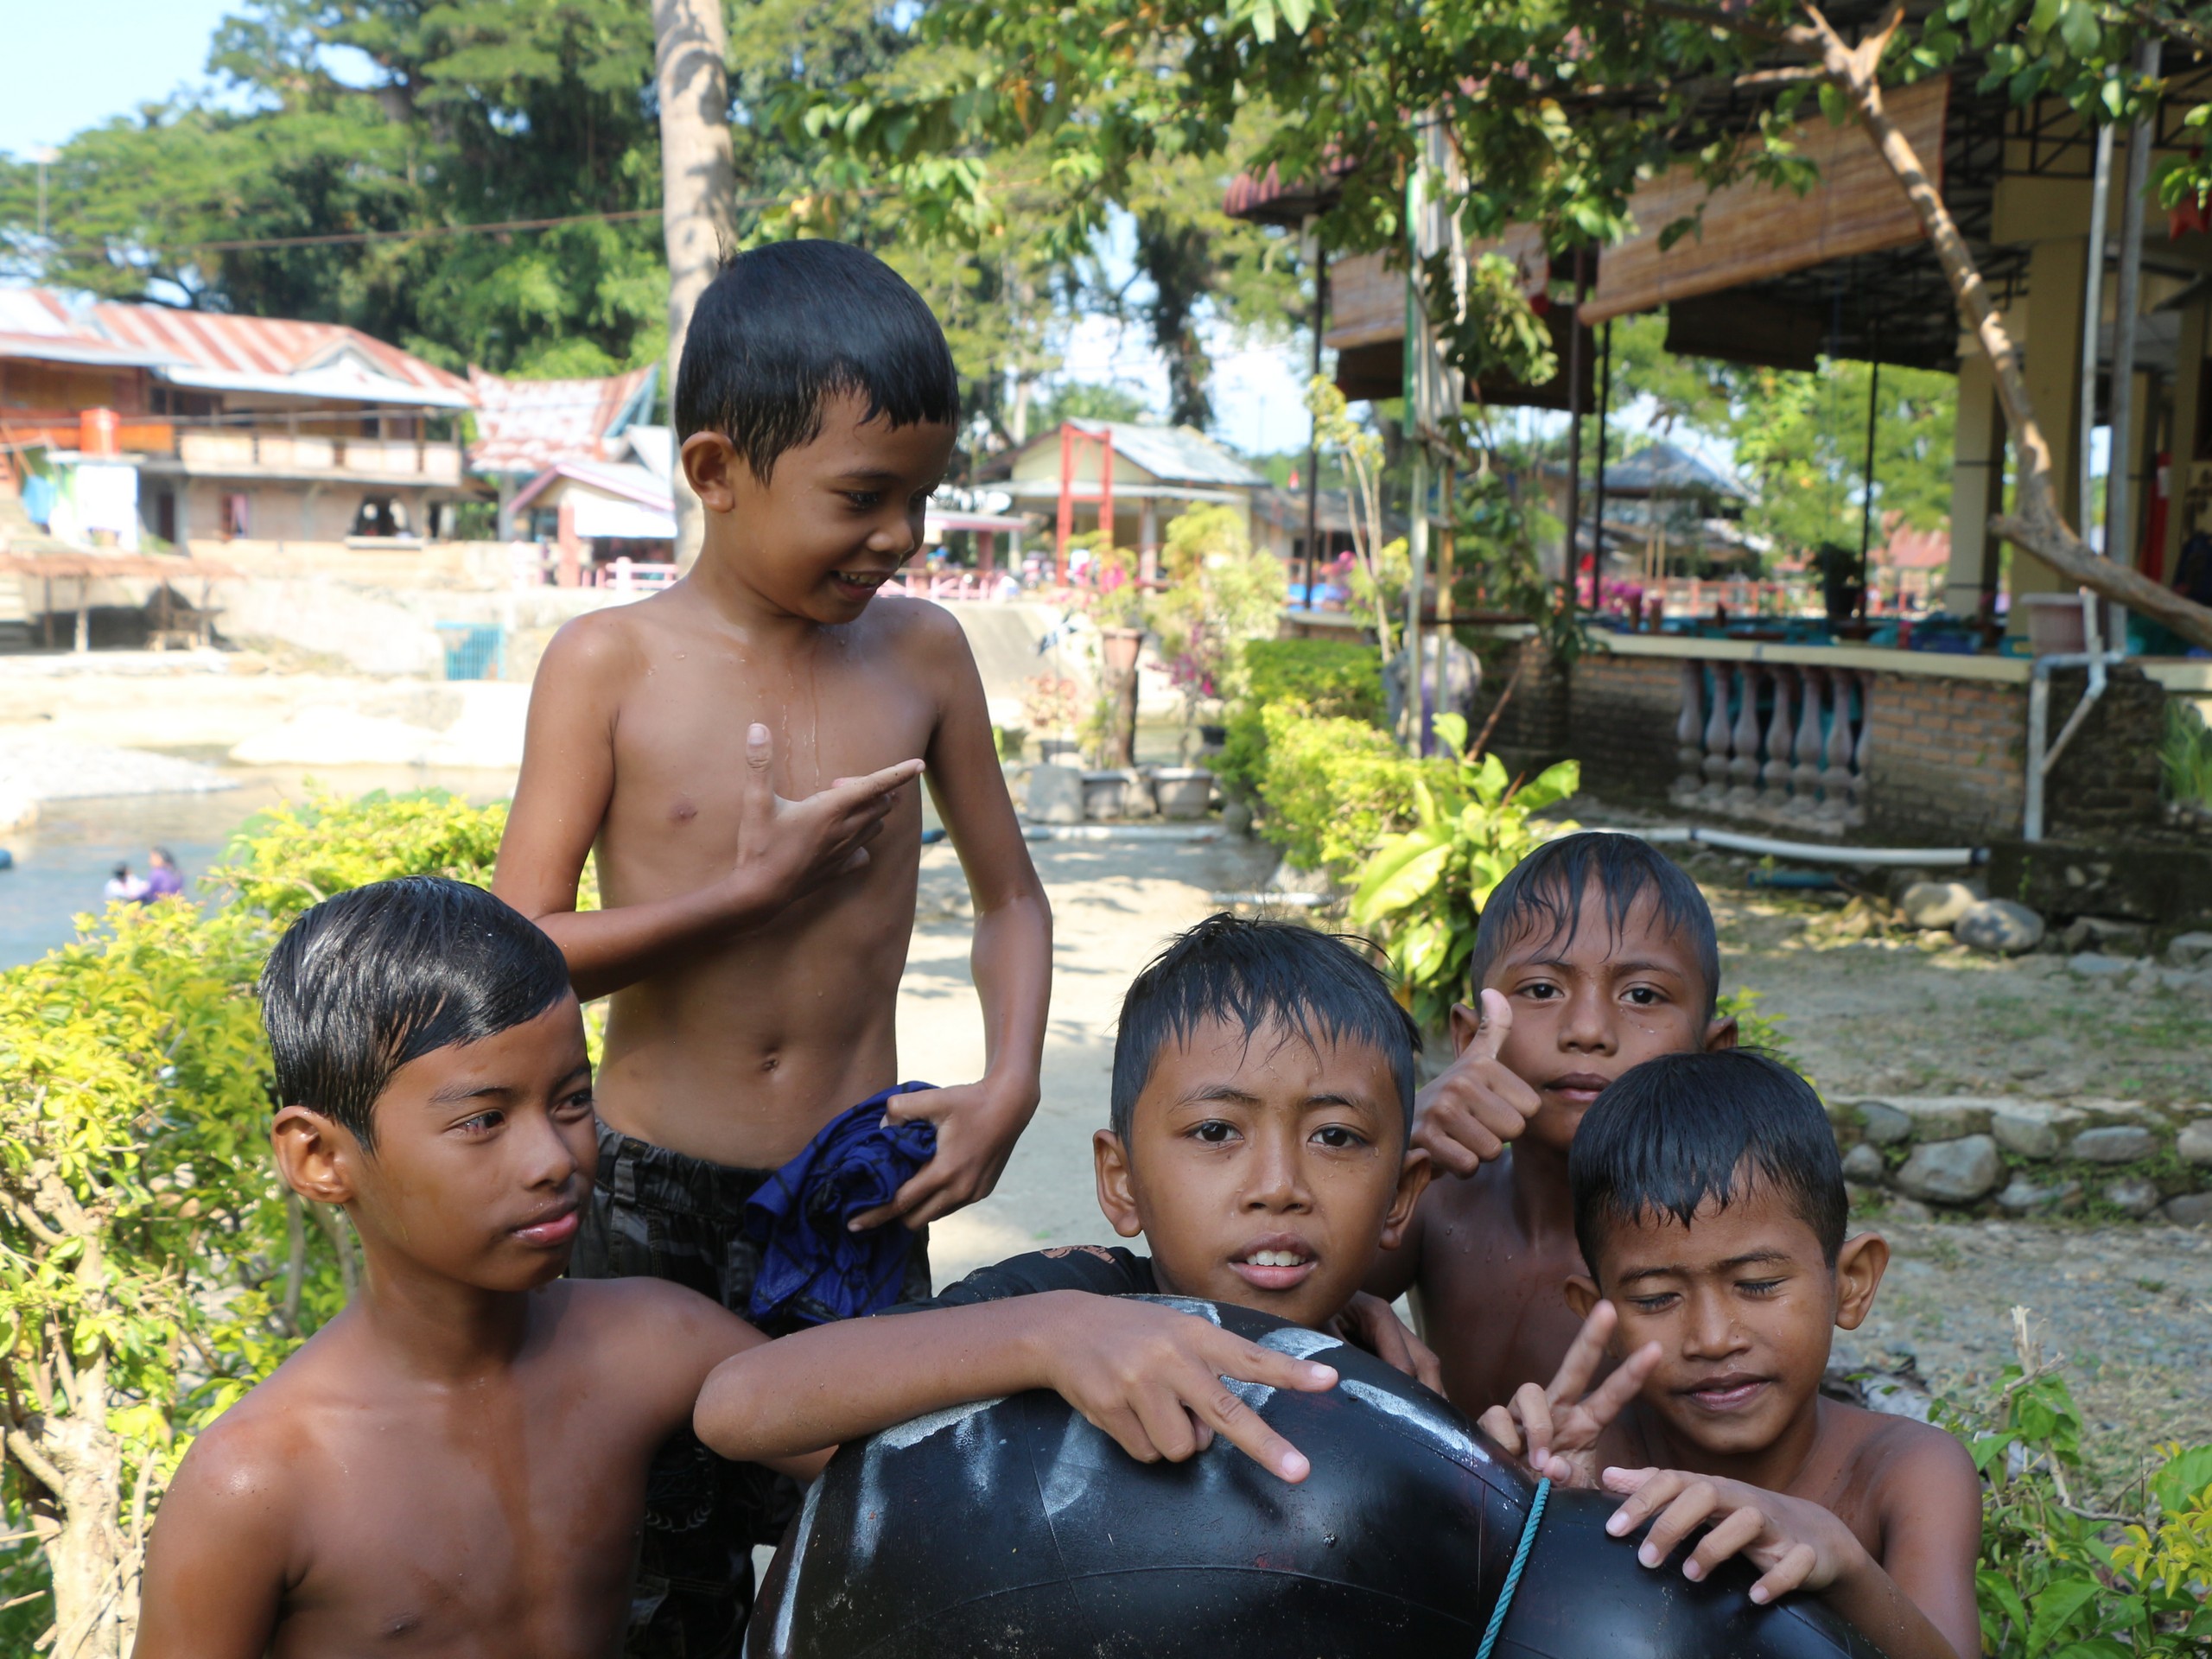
(380,515)
(237,519)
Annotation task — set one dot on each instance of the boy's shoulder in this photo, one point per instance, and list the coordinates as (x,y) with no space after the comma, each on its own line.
(1900,1458)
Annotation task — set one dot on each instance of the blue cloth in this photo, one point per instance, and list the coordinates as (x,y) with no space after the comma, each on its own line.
(812,1267)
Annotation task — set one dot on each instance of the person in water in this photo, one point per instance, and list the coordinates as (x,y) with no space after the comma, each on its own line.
(738,756)
(1595,953)
(1710,1206)
(457,1463)
(1262,1097)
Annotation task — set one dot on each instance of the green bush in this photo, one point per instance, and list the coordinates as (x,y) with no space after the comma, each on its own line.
(1333,787)
(1329,679)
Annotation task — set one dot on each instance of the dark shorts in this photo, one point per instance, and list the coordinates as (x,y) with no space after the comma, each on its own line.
(659,1214)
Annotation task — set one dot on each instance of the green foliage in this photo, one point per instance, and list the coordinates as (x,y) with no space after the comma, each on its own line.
(1329,679)
(2062,1579)
(299,854)
(2185,755)
(1332,787)
(1420,893)
(1221,599)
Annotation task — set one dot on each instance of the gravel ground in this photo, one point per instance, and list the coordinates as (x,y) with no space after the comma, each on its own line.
(35,768)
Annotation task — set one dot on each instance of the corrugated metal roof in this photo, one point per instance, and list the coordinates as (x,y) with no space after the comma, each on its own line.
(525,426)
(35,324)
(625,478)
(1174,455)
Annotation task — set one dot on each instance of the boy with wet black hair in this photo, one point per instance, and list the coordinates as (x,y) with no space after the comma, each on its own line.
(737,755)
(1261,1101)
(1595,953)
(1710,1207)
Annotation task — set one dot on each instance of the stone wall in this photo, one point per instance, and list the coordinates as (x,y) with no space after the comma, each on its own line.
(1621,713)
(2017,1156)
(2106,782)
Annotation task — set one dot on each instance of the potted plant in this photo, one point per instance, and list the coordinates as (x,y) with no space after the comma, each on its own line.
(1049,707)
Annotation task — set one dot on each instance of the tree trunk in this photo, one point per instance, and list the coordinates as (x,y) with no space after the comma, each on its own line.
(80,1520)
(2036,527)
(698,191)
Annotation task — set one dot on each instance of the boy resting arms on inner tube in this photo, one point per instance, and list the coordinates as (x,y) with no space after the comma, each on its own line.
(1263,1094)
(1710,1203)
(1595,954)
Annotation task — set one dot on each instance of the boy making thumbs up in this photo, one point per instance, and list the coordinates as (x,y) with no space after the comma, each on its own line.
(1596,954)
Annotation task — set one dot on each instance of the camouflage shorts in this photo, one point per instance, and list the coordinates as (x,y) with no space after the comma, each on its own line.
(659,1214)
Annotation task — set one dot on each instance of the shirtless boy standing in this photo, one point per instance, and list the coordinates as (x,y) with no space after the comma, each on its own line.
(1710,1203)
(1596,953)
(737,752)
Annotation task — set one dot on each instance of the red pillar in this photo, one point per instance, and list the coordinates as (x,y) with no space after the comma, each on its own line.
(986,561)
(1067,503)
(1106,491)
(571,551)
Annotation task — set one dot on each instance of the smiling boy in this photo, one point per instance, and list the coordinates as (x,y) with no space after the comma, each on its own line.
(1262,1097)
(736,753)
(1595,953)
(1710,1203)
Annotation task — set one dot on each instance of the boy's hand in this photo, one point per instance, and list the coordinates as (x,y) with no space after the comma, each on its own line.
(1465,1117)
(1556,1429)
(1370,1322)
(976,1128)
(786,848)
(1152,1378)
(1800,1546)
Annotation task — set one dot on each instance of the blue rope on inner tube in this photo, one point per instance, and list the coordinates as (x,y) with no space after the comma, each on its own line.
(1513,1573)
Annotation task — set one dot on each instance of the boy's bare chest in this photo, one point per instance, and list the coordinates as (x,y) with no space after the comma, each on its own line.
(1494,1298)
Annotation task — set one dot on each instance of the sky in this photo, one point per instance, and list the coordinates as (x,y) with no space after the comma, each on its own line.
(71,67)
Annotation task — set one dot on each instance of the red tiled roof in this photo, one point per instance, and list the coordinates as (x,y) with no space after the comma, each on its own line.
(260,345)
(525,426)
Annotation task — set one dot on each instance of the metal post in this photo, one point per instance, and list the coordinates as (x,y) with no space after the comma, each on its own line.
(1574,434)
(2127,302)
(1866,500)
(2093,306)
(1598,517)
(1313,448)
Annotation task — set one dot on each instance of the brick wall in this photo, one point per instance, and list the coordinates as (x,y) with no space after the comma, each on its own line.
(1621,716)
(1532,730)
(1945,759)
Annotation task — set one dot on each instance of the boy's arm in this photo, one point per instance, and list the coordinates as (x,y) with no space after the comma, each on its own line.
(217,1564)
(689,1336)
(1011,961)
(784,847)
(1916,1603)
(1150,1376)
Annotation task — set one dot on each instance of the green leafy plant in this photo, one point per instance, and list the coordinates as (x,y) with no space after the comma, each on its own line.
(1332,788)
(2185,756)
(1329,679)
(1220,599)
(1421,892)
(2059,1576)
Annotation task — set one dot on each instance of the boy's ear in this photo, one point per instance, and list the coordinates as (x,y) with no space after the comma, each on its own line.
(1858,1269)
(314,1155)
(1581,1292)
(1466,1020)
(1414,1176)
(711,462)
(1117,1192)
(1721,1033)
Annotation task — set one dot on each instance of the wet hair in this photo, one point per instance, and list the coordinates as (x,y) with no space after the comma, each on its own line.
(790,324)
(366,981)
(1677,1131)
(120,871)
(1254,974)
(164,856)
(1541,897)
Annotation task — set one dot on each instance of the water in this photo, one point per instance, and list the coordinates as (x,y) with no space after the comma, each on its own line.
(63,859)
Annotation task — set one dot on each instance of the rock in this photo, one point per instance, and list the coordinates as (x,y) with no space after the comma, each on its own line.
(1055,795)
(2106,935)
(2136,1199)
(2194,1142)
(1897,882)
(2022,1197)
(2029,1129)
(2191,1210)
(1881,1124)
(1952,1172)
(1937,905)
(1999,927)
(2189,950)
(1908,1210)
(2119,1144)
(2095,966)
(1865,1164)
(1945,1117)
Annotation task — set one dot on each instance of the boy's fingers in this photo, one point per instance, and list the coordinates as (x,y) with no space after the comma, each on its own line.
(1786,1574)
(1677,1520)
(1122,1426)
(1610,1396)
(1498,1423)
(1534,1411)
(1582,1355)
(1731,1537)
(1497,1025)
(1166,1422)
(1246,1430)
(1652,1488)
(1228,1356)
(874,786)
